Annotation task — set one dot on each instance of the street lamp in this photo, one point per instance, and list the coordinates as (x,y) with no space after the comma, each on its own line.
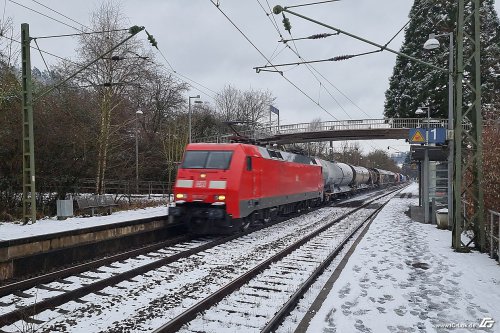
(430,44)
(420,111)
(425,190)
(189,115)
(137,114)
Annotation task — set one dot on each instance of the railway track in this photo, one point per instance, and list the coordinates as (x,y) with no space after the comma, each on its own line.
(272,287)
(46,301)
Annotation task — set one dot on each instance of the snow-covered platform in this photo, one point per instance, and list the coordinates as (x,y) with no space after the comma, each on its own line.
(10,231)
(404,277)
(50,243)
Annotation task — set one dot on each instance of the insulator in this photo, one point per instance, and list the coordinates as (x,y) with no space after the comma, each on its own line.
(342,57)
(318,36)
(286,23)
(152,41)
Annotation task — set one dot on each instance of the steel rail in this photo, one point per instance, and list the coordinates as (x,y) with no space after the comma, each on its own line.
(31,310)
(38,307)
(65,272)
(176,323)
(278,318)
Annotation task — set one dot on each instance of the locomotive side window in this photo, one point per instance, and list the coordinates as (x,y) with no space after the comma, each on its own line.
(205,159)
(249,163)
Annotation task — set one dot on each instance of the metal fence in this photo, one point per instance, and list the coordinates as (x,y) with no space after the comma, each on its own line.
(494,233)
(88,185)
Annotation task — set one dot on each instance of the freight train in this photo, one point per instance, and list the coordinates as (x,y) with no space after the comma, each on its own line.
(223,188)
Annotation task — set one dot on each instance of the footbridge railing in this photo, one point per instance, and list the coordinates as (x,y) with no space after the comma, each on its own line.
(363,124)
(262,133)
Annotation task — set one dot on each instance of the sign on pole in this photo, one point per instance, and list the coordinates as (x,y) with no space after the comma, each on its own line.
(436,135)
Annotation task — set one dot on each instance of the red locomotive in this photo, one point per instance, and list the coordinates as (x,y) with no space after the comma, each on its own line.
(223,188)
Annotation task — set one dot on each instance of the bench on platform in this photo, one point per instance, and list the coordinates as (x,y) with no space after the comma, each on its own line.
(96,202)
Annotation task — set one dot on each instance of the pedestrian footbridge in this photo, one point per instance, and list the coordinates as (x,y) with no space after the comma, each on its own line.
(364,129)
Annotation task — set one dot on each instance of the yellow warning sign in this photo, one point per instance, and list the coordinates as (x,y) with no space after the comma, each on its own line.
(418,137)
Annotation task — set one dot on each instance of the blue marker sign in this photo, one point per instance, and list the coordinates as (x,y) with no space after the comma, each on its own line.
(436,135)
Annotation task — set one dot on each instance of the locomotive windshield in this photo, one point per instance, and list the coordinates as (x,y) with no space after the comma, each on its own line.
(207,159)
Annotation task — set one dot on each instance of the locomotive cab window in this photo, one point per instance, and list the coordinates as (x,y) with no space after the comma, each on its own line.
(207,159)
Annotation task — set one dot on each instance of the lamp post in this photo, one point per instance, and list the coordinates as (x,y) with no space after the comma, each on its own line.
(189,116)
(425,189)
(430,44)
(137,114)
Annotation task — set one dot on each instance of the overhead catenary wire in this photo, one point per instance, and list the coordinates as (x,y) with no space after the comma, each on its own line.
(298,55)
(312,67)
(308,65)
(47,16)
(185,78)
(43,51)
(3,16)
(384,47)
(312,3)
(316,36)
(83,32)
(329,93)
(386,44)
(41,54)
(267,59)
(55,11)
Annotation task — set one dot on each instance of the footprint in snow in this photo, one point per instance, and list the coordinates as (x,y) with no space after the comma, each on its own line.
(345,290)
(400,311)
(360,327)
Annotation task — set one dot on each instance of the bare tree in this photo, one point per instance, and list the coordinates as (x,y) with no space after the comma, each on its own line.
(161,96)
(227,102)
(253,106)
(174,139)
(113,76)
(8,50)
(315,148)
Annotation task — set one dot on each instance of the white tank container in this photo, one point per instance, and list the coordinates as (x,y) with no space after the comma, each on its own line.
(347,174)
(362,175)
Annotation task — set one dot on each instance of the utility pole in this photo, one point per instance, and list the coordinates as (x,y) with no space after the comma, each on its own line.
(29,202)
(470,216)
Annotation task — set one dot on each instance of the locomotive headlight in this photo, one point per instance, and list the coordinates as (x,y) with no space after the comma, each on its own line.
(220,197)
(181,196)
(203,175)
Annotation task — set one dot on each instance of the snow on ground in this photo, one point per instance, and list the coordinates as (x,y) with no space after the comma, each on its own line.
(404,277)
(52,225)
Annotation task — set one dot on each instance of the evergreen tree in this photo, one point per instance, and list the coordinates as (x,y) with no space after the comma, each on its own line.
(413,85)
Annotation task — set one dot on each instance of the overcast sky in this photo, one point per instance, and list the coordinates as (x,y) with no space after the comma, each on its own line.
(200,43)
